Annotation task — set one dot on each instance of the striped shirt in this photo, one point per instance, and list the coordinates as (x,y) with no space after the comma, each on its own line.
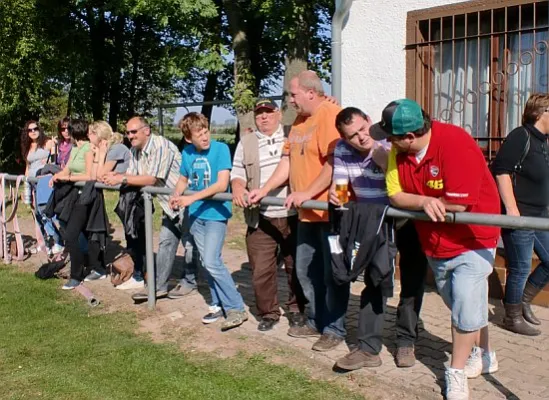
(364,175)
(270,152)
(159,158)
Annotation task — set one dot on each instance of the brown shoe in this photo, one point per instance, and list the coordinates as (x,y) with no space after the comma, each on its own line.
(514,321)
(357,359)
(327,342)
(405,357)
(530,291)
(303,331)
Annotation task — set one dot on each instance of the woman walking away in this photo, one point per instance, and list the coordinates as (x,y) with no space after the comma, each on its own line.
(35,149)
(521,168)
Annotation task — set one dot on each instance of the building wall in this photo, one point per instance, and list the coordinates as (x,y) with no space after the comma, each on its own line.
(373,56)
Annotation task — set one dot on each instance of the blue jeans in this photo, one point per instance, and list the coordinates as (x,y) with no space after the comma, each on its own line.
(462,282)
(519,247)
(170,236)
(209,237)
(327,302)
(47,227)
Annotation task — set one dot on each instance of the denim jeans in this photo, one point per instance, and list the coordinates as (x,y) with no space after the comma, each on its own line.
(170,236)
(47,227)
(462,282)
(519,247)
(209,237)
(327,302)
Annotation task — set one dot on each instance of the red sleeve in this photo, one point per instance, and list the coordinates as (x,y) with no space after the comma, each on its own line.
(463,170)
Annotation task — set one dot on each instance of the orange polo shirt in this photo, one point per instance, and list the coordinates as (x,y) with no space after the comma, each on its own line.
(310,142)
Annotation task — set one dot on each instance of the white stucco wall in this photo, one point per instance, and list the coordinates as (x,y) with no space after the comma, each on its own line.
(373,56)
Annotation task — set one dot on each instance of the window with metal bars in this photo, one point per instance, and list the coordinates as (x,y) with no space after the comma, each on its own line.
(475,64)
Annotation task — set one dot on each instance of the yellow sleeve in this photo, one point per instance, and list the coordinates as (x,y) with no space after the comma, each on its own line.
(391,178)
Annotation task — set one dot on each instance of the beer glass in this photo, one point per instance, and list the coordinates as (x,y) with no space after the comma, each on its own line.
(342,191)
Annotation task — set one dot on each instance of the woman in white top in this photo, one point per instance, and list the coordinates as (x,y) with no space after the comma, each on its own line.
(35,150)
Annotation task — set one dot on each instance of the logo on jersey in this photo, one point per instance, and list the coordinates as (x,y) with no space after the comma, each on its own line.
(434,171)
(436,184)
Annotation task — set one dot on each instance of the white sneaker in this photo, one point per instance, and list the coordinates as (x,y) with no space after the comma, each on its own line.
(456,385)
(131,284)
(56,249)
(480,362)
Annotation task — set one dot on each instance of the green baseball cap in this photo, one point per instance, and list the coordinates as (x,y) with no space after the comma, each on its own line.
(397,119)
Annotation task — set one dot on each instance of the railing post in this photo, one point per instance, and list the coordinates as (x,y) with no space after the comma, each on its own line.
(151,275)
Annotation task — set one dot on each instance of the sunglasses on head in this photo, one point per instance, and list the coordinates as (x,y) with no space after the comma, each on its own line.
(29,130)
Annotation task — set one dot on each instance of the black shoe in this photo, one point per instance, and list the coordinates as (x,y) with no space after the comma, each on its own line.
(295,319)
(266,324)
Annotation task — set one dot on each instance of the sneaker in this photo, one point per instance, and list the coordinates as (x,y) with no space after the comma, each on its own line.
(357,359)
(180,291)
(141,296)
(94,276)
(131,284)
(56,249)
(71,284)
(295,319)
(234,319)
(215,312)
(405,357)
(480,362)
(456,384)
(327,342)
(303,331)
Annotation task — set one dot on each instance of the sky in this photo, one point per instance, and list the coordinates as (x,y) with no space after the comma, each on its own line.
(220,114)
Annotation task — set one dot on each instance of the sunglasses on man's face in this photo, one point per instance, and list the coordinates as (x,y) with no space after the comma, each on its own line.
(30,130)
(133,131)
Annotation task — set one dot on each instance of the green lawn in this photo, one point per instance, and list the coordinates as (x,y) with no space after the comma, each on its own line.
(53,347)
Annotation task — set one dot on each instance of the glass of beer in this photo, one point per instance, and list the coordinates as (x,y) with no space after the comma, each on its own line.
(342,191)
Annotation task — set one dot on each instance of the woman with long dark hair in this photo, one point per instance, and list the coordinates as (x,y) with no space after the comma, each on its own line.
(63,142)
(35,150)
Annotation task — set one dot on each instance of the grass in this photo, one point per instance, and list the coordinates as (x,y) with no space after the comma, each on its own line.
(53,347)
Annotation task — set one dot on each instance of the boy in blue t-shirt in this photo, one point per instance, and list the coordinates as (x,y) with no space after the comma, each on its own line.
(205,169)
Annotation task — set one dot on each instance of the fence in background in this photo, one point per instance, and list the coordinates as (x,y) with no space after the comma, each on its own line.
(503,221)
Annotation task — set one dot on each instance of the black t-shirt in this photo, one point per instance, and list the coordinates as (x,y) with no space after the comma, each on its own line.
(532,181)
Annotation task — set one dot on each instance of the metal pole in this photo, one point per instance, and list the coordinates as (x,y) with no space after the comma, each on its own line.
(160,121)
(151,275)
(342,9)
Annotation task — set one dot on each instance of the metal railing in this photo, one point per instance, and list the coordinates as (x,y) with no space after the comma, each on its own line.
(503,221)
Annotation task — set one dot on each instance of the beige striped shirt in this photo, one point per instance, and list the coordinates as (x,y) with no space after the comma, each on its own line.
(159,158)
(270,152)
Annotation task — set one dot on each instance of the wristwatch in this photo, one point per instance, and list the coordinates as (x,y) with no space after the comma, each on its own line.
(124,180)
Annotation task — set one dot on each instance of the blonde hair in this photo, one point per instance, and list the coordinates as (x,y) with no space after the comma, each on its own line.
(104,132)
(535,107)
(191,122)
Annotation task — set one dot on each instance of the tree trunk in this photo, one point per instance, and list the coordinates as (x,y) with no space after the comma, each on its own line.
(135,52)
(116,76)
(210,91)
(245,91)
(296,59)
(97,36)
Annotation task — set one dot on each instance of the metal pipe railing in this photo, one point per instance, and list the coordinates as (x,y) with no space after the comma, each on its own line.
(504,221)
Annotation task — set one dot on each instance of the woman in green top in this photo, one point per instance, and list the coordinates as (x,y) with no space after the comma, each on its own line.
(79,167)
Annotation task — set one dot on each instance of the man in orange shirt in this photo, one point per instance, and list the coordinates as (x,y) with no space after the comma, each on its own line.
(308,162)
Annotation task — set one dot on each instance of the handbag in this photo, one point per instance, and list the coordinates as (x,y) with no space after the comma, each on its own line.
(121,269)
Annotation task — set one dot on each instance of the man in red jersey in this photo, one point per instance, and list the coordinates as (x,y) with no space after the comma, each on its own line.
(439,168)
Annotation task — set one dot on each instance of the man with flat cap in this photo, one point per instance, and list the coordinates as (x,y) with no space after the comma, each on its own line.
(439,168)
(271,229)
